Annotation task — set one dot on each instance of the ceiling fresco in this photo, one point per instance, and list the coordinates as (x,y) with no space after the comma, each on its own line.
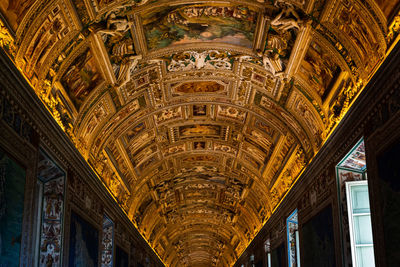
(198,116)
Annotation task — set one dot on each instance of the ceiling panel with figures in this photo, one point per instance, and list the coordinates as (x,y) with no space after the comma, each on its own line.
(198,115)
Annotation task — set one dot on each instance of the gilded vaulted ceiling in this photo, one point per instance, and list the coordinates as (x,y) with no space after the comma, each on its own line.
(198,116)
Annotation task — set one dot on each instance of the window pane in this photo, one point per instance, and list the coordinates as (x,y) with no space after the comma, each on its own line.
(363,229)
(365,257)
(360,200)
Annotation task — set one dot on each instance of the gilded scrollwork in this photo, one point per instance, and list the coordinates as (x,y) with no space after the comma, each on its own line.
(394,29)
(7,40)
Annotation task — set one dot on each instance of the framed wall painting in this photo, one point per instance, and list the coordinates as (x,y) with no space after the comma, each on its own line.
(12,190)
(83,243)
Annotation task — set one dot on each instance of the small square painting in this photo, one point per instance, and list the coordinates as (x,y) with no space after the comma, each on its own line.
(199,145)
(199,110)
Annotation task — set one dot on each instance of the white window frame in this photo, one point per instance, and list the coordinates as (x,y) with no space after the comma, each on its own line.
(267,250)
(355,260)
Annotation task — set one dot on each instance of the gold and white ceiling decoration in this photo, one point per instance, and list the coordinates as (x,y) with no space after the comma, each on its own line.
(198,115)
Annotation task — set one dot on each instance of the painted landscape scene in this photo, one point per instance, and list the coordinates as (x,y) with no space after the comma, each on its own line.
(199,23)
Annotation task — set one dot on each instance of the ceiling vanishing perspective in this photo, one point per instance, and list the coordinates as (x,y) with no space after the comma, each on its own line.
(198,116)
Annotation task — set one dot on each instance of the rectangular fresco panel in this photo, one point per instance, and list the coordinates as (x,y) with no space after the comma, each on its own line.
(183,24)
(12,187)
(388,7)
(198,87)
(199,130)
(389,184)
(81,77)
(133,132)
(83,243)
(15,10)
(317,242)
(321,70)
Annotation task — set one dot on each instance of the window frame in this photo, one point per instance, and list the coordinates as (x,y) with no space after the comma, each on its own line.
(290,219)
(350,214)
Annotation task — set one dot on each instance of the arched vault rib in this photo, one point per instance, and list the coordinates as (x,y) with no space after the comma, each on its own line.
(233,197)
(150,211)
(273,115)
(192,227)
(204,171)
(179,213)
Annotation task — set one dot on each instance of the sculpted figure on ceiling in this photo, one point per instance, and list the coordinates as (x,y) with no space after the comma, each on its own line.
(114,26)
(287,19)
(284,27)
